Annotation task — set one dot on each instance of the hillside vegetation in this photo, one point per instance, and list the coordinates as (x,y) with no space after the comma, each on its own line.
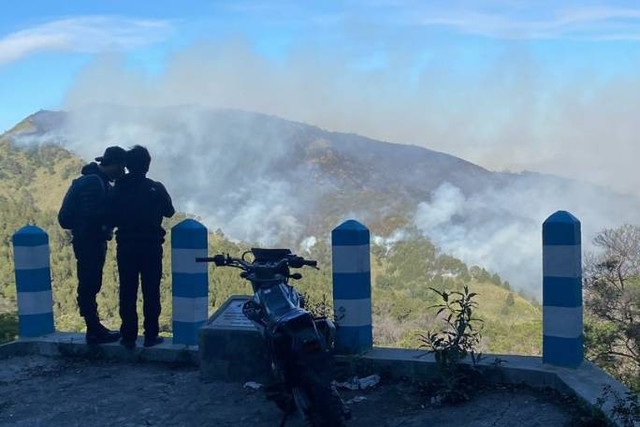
(37,174)
(33,181)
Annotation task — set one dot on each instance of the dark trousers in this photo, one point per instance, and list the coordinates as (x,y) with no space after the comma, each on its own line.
(139,260)
(90,257)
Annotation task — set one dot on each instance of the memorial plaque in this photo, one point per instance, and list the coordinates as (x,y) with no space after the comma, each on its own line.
(230,315)
(231,347)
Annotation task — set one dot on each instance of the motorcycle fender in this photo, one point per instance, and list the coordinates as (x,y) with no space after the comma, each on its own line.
(327,330)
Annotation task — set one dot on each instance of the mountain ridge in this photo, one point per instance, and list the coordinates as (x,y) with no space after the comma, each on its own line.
(343,164)
(269,180)
(46,121)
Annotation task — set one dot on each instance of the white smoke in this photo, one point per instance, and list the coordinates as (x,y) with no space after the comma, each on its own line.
(509,114)
(387,242)
(219,165)
(308,243)
(501,228)
(513,113)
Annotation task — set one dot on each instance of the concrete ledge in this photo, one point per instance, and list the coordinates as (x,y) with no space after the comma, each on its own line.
(417,364)
(66,344)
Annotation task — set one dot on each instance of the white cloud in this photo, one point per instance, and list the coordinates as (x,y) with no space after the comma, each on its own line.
(537,20)
(586,24)
(86,34)
(501,19)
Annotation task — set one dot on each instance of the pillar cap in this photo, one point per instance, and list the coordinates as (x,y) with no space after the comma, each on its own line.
(189,223)
(351,225)
(561,229)
(30,235)
(189,234)
(562,217)
(350,233)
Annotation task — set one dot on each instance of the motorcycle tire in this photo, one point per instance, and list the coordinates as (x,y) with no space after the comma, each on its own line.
(325,409)
(278,394)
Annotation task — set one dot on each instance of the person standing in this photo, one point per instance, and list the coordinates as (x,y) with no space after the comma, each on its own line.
(83,212)
(137,208)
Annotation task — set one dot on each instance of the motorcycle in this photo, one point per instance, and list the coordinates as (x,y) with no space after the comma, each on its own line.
(298,344)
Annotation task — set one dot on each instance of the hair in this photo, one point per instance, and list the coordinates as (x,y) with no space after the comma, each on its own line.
(138,159)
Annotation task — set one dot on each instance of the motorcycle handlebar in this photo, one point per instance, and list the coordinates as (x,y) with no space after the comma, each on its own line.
(222,260)
(218,260)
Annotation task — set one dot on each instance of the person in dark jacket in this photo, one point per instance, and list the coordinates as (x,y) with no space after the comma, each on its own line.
(137,208)
(83,212)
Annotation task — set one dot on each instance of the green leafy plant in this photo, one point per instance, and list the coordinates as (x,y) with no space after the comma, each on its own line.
(459,339)
(319,306)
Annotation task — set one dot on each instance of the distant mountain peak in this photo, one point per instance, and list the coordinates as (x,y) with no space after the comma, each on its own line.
(39,123)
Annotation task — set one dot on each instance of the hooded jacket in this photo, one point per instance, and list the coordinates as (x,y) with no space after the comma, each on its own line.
(84,206)
(137,206)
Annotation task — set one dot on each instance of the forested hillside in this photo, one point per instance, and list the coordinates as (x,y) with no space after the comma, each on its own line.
(32,183)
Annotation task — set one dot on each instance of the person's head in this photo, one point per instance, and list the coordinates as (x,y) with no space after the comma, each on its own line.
(138,160)
(112,162)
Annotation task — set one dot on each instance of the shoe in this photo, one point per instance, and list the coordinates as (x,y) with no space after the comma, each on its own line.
(150,342)
(101,336)
(129,345)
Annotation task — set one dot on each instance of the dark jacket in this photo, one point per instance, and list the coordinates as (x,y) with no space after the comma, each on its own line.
(137,206)
(84,206)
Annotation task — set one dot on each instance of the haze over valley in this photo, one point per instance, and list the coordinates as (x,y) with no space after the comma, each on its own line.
(263,179)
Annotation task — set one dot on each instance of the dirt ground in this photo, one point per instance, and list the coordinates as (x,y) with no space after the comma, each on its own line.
(38,391)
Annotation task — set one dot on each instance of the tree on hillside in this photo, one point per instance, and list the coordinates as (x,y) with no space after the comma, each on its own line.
(510,300)
(612,303)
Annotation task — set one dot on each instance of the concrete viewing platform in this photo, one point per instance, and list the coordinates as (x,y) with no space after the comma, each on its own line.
(584,382)
(228,349)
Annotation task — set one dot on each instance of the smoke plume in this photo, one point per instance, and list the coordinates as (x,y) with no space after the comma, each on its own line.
(501,228)
(509,115)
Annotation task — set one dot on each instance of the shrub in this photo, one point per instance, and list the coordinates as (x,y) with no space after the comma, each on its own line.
(8,327)
(458,339)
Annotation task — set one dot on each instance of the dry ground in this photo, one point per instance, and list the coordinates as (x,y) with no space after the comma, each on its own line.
(37,391)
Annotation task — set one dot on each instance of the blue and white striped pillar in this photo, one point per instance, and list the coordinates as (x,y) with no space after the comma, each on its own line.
(33,281)
(190,281)
(563,338)
(351,258)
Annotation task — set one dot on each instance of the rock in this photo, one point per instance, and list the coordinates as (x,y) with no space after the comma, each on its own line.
(356,399)
(356,383)
(252,385)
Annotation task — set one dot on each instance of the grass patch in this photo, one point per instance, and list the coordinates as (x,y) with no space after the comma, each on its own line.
(8,327)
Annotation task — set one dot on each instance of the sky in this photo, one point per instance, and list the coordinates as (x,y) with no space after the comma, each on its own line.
(550,86)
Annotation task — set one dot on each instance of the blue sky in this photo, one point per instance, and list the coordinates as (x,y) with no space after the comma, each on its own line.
(44,44)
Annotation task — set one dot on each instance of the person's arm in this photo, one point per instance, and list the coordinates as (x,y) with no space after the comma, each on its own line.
(111,209)
(167,205)
(67,211)
(93,198)
(89,204)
